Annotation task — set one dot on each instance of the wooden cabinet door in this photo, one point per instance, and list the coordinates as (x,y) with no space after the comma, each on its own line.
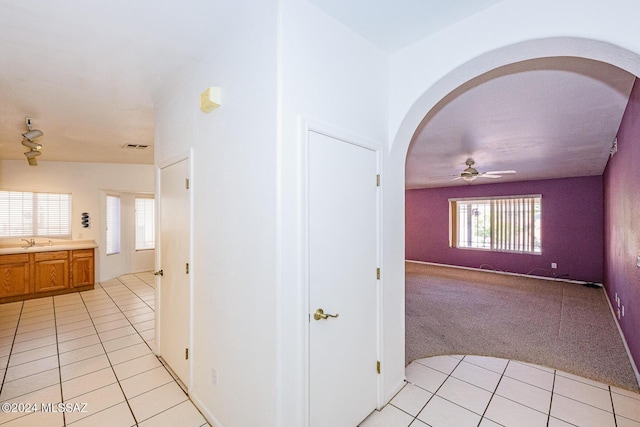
(14,275)
(51,271)
(82,267)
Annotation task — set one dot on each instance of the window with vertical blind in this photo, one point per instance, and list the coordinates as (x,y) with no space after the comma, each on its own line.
(113,225)
(145,223)
(28,214)
(504,224)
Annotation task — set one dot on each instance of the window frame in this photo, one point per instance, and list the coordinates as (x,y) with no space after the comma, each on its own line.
(34,227)
(497,244)
(135,222)
(117,234)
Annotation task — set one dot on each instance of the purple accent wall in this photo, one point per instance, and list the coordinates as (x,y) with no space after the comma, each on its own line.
(622,223)
(572,228)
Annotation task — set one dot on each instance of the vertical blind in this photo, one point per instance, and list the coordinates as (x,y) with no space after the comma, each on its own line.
(507,224)
(27,214)
(514,224)
(113,225)
(145,223)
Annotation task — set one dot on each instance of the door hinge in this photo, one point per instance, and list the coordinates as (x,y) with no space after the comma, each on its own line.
(378,366)
(378,180)
(186,183)
(186,354)
(378,273)
(186,268)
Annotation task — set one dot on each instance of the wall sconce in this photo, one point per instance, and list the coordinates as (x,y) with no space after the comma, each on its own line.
(85,220)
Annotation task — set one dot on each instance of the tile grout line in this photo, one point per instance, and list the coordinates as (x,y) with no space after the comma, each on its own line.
(15,334)
(435,392)
(125,316)
(553,387)
(138,296)
(55,325)
(152,352)
(109,359)
(613,409)
(493,394)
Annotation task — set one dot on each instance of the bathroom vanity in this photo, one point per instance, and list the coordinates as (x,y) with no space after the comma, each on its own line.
(42,270)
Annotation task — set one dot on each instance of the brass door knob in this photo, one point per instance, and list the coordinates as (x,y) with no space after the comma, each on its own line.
(320,314)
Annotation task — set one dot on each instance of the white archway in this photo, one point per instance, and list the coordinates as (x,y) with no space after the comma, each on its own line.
(423,102)
(531,49)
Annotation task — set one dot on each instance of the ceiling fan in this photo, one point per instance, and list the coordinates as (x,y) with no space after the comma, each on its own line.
(470,174)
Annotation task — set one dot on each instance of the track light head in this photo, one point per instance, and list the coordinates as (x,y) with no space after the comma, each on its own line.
(31,157)
(32,145)
(33,134)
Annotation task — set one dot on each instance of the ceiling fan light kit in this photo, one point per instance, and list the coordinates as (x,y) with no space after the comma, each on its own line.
(28,141)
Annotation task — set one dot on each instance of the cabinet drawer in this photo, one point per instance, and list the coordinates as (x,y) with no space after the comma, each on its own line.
(82,253)
(14,259)
(50,256)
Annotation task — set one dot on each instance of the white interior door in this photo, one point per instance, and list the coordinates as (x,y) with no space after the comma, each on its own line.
(174,306)
(342,242)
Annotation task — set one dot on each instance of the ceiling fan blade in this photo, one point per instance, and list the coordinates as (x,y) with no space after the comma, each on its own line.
(499,172)
(457,178)
(32,161)
(484,175)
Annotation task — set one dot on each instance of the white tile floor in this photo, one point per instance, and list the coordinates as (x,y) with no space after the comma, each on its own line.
(95,347)
(92,348)
(466,391)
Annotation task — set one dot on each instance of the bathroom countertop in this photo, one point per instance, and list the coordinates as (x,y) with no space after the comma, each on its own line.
(45,247)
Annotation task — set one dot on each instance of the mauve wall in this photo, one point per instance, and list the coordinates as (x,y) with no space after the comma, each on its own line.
(572,228)
(622,223)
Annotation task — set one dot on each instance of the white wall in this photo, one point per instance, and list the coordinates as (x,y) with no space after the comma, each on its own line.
(276,60)
(234,190)
(87,182)
(330,75)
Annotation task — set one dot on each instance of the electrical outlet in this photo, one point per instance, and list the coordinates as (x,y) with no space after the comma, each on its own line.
(623,311)
(214,376)
(554,265)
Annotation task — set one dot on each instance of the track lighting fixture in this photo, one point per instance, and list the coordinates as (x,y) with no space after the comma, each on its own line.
(29,142)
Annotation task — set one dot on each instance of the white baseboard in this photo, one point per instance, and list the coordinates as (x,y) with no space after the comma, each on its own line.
(553,279)
(624,341)
(209,417)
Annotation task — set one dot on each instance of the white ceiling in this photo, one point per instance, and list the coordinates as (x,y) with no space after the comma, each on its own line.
(88,73)
(392,25)
(547,118)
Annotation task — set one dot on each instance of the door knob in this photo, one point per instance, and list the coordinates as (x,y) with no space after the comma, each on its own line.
(320,314)
(159,273)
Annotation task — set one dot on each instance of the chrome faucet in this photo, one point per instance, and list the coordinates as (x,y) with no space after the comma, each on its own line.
(31,242)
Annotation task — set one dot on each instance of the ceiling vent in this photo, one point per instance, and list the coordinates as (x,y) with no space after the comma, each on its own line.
(135,146)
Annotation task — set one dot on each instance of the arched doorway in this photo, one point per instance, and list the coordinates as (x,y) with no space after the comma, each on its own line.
(427,101)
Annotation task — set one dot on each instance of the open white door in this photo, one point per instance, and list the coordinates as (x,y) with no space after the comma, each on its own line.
(174,304)
(342,245)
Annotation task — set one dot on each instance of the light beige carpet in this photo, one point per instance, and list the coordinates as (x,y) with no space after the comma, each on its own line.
(561,325)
